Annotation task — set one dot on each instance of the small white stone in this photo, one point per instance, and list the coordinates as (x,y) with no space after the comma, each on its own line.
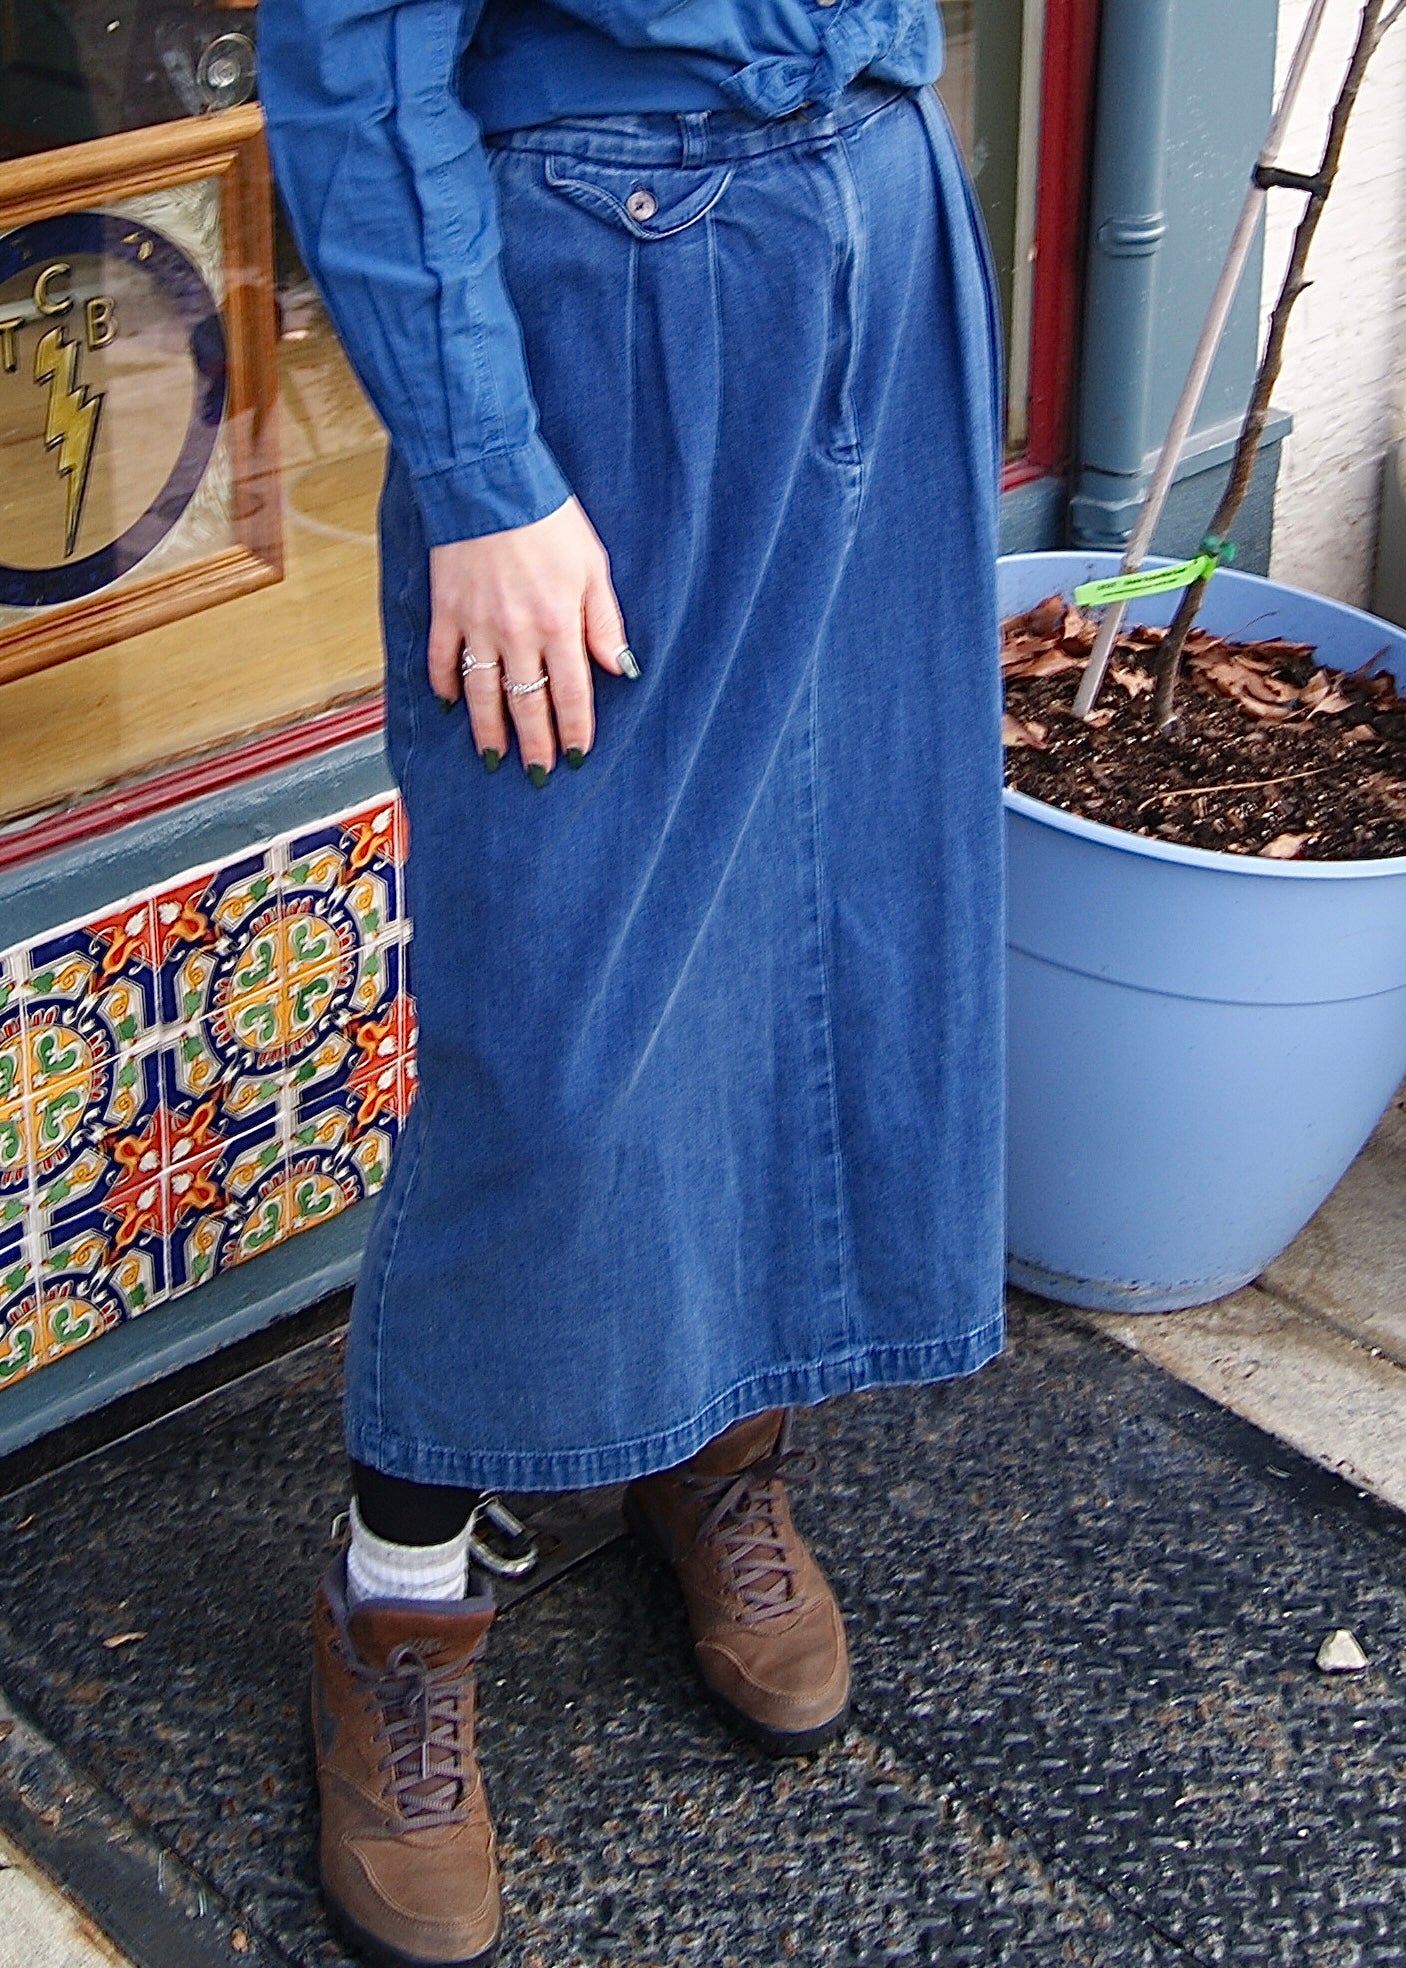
(1340,1653)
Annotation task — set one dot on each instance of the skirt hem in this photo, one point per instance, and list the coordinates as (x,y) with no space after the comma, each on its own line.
(622,1462)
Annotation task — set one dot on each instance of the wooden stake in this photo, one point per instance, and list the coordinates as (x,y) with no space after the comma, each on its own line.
(1169,655)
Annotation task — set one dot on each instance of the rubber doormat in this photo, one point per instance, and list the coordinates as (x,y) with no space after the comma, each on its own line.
(1084,1606)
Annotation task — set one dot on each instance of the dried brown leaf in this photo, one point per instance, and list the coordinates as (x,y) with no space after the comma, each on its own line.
(1023,732)
(1276,652)
(1051,662)
(1136,682)
(1286,847)
(1046,618)
(1253,686)
(1331,705)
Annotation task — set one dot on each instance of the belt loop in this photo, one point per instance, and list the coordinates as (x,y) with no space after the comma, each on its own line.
(693,135)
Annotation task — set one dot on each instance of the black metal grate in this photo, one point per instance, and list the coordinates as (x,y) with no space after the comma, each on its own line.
(1084,1608)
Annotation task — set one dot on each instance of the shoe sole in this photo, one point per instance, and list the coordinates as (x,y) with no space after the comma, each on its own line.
(776,1742)
(384,1956)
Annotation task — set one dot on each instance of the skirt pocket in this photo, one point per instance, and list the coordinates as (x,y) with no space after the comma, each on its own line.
(643,202)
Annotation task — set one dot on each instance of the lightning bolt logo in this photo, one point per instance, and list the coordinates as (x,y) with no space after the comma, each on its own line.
(71,425)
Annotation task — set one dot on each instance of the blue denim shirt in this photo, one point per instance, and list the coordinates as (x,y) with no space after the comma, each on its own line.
(377,111)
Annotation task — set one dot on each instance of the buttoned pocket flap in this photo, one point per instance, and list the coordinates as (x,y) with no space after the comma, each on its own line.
(650,204)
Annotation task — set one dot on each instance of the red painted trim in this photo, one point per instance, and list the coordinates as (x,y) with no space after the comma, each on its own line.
(1066,131)
(1021,471)
(139,801)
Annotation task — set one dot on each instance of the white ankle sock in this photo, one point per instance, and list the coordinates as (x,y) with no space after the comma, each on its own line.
(377,1569)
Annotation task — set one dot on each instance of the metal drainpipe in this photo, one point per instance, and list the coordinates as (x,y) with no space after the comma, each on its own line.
(1128,224)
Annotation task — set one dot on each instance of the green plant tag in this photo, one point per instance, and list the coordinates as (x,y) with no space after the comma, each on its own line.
(1149,581)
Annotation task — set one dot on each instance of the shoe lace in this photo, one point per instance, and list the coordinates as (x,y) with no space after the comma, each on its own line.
(428,1753)
(742,1515)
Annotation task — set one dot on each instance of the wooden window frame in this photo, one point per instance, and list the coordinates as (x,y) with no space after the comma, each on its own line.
(229,147)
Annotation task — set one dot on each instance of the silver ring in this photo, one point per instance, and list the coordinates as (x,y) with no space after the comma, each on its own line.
(468,661)
(525,689)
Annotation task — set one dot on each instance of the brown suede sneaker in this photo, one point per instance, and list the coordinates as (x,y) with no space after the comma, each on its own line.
(767,1633)
(409,1870)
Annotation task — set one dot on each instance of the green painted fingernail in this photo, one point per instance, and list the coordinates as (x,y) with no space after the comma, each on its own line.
(538,775)
(576,758)
(446,704)
(628,665)
(491,759)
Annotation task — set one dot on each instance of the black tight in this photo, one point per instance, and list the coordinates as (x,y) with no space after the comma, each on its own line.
(410,1513)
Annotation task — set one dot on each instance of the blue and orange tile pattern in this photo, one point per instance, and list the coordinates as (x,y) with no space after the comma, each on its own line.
(196,1075)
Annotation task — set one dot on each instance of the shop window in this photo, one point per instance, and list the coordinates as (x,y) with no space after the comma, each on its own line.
(179,568)
(993,92)
(239,598)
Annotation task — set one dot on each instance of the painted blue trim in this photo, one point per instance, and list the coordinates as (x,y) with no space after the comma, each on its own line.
(1128,229)
(1032,516)
(1185,93)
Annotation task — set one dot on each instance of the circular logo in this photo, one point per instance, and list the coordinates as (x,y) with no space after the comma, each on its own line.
(112,392)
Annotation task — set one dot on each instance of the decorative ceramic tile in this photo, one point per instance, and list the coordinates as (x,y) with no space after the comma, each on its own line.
(213,931)
(213,1182)
(275,1199)
(78,1091)
(76,1166)
(14,1121)
(85,1246)
(198,1074)
(358,855)
(198,1065)
(18,1304)
(15,1209)
(326,1172)
(359,1060)
(20,1348)
(107,965)
(79,1294)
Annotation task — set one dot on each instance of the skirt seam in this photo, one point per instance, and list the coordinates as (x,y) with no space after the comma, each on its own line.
(827,1026)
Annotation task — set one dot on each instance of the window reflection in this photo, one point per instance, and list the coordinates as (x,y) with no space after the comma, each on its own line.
(991,89)
(71,70)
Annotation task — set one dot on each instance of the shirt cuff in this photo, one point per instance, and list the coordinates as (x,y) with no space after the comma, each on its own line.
(491,494)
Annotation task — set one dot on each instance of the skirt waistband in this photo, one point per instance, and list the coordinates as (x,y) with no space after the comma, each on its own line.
(709,136)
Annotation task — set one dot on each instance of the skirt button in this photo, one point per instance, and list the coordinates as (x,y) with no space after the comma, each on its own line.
(641,205)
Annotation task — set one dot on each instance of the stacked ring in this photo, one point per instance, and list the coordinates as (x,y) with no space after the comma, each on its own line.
(525,689)
(468,661)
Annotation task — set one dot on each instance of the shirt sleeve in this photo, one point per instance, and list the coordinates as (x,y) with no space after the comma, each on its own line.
(386,183)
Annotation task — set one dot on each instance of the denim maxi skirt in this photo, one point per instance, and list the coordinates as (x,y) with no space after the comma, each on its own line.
(711,1096)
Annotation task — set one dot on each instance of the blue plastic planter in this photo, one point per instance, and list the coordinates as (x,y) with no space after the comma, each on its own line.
(1199,1043)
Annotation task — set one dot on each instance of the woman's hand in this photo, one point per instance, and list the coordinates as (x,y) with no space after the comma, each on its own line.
(533,601)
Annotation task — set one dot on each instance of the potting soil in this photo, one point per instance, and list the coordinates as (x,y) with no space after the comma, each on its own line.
(1271,754)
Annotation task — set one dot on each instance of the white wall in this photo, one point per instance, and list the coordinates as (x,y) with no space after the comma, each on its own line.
(1345,364)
